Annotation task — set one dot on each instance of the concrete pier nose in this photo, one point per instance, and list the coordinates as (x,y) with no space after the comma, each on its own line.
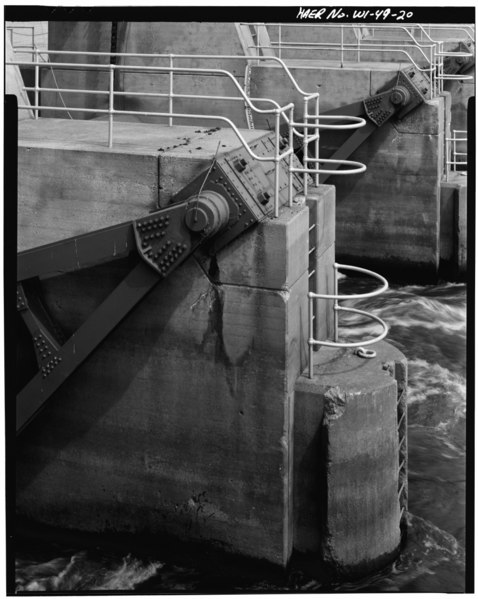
(346,459)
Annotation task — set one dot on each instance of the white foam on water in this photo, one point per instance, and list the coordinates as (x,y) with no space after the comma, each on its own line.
(427,380)
(128,575)
(80,573)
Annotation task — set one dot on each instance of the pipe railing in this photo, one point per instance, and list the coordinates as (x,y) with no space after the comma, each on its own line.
(365,353)
(280,113)
(454,156)
(15,30)
(429,52)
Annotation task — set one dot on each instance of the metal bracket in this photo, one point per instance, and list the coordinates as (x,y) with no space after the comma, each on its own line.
(408,92)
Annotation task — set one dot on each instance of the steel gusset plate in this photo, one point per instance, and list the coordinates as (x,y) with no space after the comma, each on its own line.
(163,240)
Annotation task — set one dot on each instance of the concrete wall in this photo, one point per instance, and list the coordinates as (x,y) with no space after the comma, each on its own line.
(182,420)
(149,38)
(188,419)
(460,91)
(453,225)
(388,215)
(162,429)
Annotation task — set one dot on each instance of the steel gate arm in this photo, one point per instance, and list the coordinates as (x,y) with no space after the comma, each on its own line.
(211,209)
(71,354)
(77,252)
(396,100)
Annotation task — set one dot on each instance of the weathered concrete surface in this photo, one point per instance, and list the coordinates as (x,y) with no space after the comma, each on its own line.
(189,464)
(337,86)
(346,459)
(461,91)
(80,36)
(453,223)
(152,38)
(161,428)
(251,259)
(390,213)
(395,202)
(70,182)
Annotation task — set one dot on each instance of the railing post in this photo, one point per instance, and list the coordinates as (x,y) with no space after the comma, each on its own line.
(276,164)
(311,336)
(171,83)
(433,74)
(111,106)
(316,132)
(447,159)
(37,82)
(280,40)
(336,304)
(291,154)
(442,63)
(306,143)
(454,160)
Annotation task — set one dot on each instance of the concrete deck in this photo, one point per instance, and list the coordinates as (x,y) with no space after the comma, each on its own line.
(129,137)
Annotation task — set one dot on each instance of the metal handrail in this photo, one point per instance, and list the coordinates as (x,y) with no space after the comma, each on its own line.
(440,75)
(431,50)
(454,153)
(337,308)
(310,121)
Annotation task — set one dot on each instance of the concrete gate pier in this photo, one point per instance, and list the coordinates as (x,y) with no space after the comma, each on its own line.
(346,459)
(193,417)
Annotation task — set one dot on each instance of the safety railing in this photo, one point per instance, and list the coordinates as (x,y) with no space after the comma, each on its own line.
(306,130)
(280,114)
(425,53)
(365,353)
(440,54)
(456,158)
(26,37)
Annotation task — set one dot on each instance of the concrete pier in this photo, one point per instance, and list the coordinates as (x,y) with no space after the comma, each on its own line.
(181,422)
(192,417)
(346,459)
(453,224)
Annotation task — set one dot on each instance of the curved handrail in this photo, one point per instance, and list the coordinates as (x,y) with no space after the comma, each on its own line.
(156,69)
(313,121)
(186,56)
(356,167)
(336,297)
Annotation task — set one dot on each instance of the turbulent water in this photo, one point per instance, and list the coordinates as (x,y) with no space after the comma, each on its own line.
(428,325)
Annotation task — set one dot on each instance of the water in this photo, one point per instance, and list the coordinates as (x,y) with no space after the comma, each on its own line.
(428,325)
